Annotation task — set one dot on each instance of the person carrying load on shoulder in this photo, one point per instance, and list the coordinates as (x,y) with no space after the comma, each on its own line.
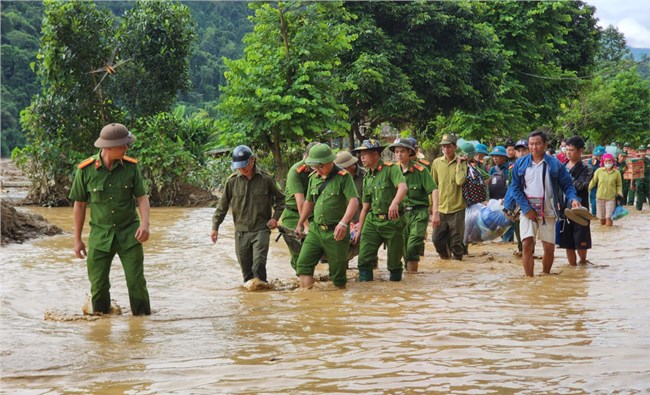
(449,172)
(417,208)
(332,198)
(384,188)
(111,184)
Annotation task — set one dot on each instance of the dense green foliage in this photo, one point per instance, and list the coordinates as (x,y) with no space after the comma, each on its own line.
(284,88)
(306,70)
(77,40)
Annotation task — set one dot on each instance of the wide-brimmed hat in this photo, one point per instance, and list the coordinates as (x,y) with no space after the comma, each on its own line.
(499,151)
(114,135)
(345,159)
(404,143)
(449,139)
(319,155)
(468,149)
(600,150)
(481,149)
(369,145)
(641,148)
(580,216)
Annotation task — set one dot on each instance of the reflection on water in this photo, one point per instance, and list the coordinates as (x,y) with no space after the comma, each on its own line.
(477,326)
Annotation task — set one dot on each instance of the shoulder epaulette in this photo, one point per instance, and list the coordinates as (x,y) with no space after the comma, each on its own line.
(86,162)
(129,159)
(302,168)
(419,167)
(388,163)
(424,162)
(342,172)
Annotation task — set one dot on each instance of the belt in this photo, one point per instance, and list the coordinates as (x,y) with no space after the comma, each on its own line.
(413,208)
(381,217)
(326,227)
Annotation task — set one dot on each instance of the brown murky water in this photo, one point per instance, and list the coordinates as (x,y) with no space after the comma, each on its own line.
(476,327)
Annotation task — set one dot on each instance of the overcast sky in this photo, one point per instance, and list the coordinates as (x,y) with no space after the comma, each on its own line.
(630,17)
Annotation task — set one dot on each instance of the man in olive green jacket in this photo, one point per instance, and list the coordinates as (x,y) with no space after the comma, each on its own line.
(251,194)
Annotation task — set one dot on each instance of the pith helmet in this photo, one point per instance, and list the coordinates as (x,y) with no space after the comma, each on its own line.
(319,155)
(369,145)
(114,135)
(345,159)
(404,143)
(468,149)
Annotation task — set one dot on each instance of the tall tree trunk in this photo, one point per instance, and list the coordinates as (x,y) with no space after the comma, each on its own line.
(280,169)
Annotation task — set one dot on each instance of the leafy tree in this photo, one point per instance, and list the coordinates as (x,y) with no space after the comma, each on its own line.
(416,60)
(612,47)
(77,38)
(284,88)
(21,23)
(616,107)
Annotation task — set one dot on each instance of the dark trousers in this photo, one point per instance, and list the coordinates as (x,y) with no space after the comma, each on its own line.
(252,249)
(448,236)
(99,266)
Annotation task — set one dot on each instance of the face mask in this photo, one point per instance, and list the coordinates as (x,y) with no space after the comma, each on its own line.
(609,165)
(563,149)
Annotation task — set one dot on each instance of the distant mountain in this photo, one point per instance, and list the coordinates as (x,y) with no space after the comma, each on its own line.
(639,52)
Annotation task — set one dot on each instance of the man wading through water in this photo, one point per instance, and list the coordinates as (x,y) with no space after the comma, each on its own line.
(537,179)
(111,183)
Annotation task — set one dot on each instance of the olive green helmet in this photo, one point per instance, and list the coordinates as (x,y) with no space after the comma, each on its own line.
(319,155)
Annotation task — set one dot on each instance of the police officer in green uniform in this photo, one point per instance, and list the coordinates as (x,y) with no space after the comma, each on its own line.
(640,186)
(252,194)
(295,191)
(384,188)
(350,163)
(331,191)
(420,186)
(111,183)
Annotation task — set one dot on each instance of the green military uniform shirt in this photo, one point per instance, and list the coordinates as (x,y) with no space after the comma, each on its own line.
(251,201)
(297,182)
(331,203)
(380,187)
(110,194)
(450,178)
(420,184)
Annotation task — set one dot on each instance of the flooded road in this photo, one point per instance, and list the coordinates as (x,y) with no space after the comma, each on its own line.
(472,327)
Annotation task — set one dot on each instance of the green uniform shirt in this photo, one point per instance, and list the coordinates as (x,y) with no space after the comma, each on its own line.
(450,178)
(110,195)
(420,184)
(251,201)
(380,186)
(297,182)
(331,203)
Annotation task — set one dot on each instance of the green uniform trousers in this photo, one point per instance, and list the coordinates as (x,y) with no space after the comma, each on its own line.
(641,192)
(448,236)
(252,249)
(415,228)
(375,232)
(99,266)
(628,197)
(321,242)
(290,220)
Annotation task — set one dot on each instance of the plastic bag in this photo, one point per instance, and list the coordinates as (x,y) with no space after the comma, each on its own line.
(619,212)
(485,223)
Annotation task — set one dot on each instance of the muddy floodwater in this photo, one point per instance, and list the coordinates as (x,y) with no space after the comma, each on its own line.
(471,327)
